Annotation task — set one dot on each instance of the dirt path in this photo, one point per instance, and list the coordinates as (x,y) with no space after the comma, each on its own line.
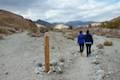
(18,57)
(20,53)
(81,69)
(77,67)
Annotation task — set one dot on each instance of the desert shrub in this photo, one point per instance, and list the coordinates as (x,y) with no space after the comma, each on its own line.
(1,37)
(31,34)
(111,24)
(70,35)
(43,30)
(3,31)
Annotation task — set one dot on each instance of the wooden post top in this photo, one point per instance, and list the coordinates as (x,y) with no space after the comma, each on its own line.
(46,53)
(46,34)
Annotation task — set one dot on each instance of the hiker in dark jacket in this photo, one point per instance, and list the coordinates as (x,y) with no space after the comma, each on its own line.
(88,42)
(81,41)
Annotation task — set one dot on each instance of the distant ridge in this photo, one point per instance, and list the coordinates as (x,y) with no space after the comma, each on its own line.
(42,22)
(78,23)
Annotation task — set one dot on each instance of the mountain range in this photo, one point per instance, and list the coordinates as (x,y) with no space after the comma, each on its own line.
(10,21)
(42,22)
(76,23)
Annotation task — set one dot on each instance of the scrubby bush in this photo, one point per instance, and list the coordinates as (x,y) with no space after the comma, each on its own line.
(70,35)
(111,24)
(43,30)
(1,37)
(3,31)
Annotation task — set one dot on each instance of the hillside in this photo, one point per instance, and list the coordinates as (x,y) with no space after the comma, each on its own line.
(10,22)
(114,23)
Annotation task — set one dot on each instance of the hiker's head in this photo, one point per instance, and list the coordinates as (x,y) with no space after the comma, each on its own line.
(80,32)
(87,32)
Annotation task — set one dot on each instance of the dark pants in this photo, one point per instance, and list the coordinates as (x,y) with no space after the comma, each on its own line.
(81,47)
(88,47)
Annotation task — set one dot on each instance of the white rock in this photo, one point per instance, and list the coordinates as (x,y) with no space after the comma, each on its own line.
(59,69)
(51,70)
(96,62)
(61,64)
(100,74)
(100,46)
(38,70)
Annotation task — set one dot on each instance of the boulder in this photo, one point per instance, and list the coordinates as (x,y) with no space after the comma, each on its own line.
(62,59)
(96,62)
(39,65)
(100,46)
(56,67)
(54,63)
(108,43)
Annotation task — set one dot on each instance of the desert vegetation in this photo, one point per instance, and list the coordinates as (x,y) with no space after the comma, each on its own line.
(115,23)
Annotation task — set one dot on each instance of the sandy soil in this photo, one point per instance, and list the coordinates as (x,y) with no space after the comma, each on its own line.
(20,53)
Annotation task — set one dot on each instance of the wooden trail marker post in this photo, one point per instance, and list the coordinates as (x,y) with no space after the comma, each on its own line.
(46,46)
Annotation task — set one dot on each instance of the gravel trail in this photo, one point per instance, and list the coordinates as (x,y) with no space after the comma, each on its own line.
(19,54)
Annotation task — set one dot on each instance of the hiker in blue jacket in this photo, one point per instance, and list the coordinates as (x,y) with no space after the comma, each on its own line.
(81,41)
(88,41)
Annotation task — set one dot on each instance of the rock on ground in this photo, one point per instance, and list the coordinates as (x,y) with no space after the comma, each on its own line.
(19,54)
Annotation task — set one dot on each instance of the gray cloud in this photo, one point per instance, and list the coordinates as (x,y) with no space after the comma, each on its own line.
(63,10)
(19,4)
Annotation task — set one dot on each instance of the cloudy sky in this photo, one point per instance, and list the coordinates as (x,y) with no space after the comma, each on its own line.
(64,10)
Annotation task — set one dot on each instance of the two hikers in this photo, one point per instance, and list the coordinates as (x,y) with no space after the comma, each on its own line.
(86,39)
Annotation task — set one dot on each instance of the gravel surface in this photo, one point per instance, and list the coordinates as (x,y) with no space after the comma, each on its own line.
(19,54)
